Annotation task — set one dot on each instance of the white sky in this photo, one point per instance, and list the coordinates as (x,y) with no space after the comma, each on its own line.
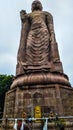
(10,30)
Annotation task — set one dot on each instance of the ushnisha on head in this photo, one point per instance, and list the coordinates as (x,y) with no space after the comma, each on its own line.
(36,5)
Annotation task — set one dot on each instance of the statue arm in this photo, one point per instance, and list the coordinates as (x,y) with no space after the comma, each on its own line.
(50,26)
(54,56)
(21,56)
(24,28)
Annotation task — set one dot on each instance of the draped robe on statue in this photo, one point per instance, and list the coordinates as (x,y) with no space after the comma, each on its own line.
(36,51)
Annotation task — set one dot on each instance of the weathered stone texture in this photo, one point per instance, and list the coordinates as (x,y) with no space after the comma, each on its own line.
(53,97)
(67,100)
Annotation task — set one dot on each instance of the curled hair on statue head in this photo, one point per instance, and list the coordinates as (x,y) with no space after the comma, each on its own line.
(36,5)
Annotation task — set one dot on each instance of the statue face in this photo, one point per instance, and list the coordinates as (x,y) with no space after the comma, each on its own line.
(36,5)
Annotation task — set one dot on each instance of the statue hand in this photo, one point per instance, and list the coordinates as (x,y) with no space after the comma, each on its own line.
(23,15)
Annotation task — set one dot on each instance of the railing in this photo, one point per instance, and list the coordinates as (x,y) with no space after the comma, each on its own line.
(57,122)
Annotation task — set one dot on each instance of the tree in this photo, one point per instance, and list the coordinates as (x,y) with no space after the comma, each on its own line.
(5,82)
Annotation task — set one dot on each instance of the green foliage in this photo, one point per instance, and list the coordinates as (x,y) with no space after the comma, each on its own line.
(5,82)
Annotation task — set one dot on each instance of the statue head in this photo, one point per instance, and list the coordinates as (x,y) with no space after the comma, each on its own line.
(36,5)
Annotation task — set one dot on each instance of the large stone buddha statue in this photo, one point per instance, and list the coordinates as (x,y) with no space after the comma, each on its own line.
(40,81)
(38,49)
(38,60)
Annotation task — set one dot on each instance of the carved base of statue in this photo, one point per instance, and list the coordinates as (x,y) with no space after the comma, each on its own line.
(40,78)
(49,91)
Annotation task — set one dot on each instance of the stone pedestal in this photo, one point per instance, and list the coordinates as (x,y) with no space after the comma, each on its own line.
(50,91)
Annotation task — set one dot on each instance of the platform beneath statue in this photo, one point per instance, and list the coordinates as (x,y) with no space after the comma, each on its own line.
(39,94)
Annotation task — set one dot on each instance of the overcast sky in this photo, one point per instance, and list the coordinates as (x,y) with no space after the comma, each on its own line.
(10,30)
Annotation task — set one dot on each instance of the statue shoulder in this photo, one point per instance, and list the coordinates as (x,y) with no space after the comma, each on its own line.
(30,15)
(49,17)
(48,14)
